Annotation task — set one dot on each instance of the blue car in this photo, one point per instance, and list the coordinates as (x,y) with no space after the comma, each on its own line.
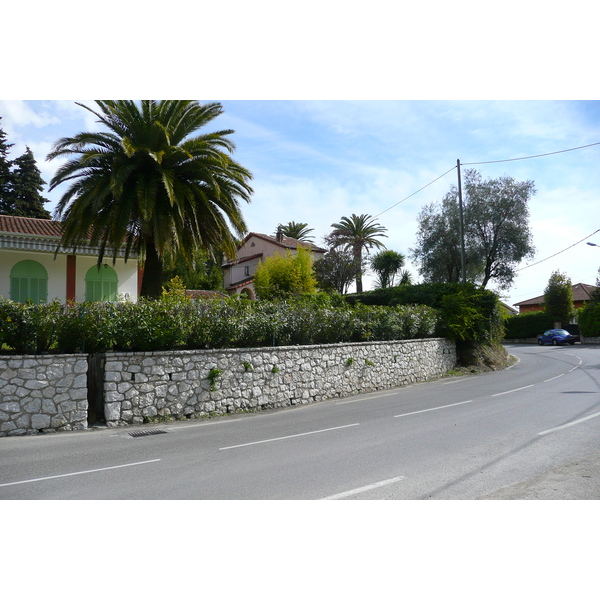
(556,337)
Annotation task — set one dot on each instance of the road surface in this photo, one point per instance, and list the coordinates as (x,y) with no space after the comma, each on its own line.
(532,431)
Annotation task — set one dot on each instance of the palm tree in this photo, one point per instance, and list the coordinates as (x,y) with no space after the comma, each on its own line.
(386,264)
(148,186)
(357,233)
(298,231)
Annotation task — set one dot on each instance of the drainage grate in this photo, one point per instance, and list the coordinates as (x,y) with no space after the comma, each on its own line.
(147,432)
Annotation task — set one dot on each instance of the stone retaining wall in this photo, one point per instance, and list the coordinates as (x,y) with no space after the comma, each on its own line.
(143,386)
(43,393)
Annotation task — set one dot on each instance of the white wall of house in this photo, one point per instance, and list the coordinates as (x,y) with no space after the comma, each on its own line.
(57,284)
(238,272)
(57,273)
(256,245)
(126,273)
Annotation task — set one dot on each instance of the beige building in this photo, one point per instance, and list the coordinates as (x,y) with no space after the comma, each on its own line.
(238,274)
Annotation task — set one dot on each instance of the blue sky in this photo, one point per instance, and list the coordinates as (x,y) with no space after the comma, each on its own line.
(316,161)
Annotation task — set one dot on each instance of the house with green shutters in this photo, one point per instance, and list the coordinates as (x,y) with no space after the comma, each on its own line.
(34,267)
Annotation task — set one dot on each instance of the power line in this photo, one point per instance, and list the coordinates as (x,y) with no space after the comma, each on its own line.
(487,163)
(528,157)
(407,197)
(549,257)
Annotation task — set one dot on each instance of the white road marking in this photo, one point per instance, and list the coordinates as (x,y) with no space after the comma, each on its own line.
(145,462)
(286,437)
(366,488)
(364,398)
(552,378)
(570,424)
(511,391)
(430,409)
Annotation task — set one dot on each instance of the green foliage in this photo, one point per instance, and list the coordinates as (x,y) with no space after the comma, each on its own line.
(386,264)
(200,273)
(20,184)
(467,311)
(589,319)
(337,270)
(298,231)
(528,325)
(28,328)
(558,298)
(213,375)
(359,234)
(496,231)
(176,322)
(151,184)
(285,276)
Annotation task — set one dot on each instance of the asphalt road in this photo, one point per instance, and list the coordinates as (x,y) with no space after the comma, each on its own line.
(532,431)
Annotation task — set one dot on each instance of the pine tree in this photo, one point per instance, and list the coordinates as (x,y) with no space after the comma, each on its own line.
(28,183)
(6,198)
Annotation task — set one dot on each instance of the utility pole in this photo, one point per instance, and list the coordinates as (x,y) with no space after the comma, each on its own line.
(462,226)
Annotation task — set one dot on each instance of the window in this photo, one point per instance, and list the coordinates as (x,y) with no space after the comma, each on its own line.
(246,270)
(29,281)
(101,284)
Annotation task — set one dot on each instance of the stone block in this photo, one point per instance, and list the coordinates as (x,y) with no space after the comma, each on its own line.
(112,411)
(10,407)
(40,421)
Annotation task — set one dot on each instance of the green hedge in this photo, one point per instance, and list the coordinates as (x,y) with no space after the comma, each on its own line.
(467,312)
(589,319)
(528,325)
(174,321)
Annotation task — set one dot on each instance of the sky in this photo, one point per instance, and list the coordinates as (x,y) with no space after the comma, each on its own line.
(315,161)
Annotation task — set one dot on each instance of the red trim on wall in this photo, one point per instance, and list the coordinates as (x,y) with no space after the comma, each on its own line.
(71,263)
(140,277)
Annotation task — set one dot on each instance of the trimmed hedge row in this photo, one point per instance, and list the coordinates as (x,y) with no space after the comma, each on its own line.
(175,321)
(528,325)
(467,312)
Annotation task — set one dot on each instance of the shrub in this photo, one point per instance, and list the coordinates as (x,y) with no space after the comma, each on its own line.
(528,325)
(589,319)
(175,321)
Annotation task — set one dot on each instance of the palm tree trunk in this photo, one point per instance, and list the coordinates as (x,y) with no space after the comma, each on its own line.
(358,259)
(153,270)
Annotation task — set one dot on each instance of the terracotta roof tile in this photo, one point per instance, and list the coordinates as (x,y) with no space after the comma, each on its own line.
(286,242)
(581,292)
(29,226)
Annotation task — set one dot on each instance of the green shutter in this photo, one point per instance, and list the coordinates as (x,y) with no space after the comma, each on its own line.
(29,281)
(101,284)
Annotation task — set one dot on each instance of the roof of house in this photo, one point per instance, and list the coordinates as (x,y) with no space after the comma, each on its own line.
(581,293)
(43,235)
(239,284)
(286,242)
(29,226)
(237,261)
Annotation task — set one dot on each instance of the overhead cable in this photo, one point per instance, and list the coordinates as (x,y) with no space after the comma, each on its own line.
(527,157)
(407,197)
(549,257)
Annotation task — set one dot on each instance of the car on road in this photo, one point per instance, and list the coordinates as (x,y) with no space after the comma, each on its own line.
(556,337)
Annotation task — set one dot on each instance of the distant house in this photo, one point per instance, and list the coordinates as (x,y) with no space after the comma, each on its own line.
(32,269)
(238,274)
(581,294)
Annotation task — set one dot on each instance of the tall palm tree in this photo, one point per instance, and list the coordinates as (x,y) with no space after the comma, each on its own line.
(358,233)
(298,231)
(150,186)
